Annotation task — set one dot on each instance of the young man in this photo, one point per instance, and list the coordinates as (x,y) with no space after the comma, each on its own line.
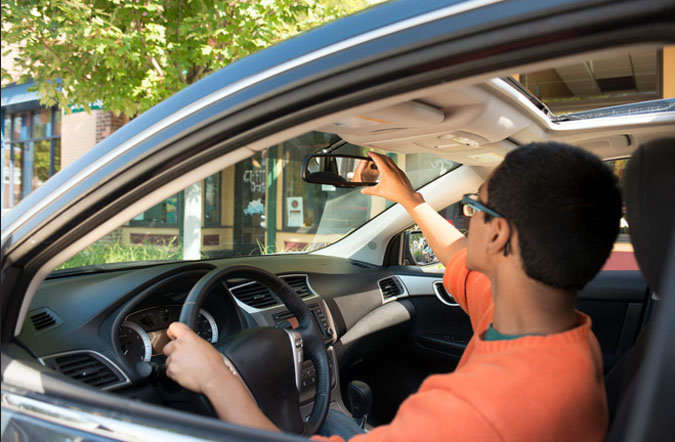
(542,226)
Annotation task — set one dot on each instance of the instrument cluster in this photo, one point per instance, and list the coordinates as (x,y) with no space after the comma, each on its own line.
(143,336)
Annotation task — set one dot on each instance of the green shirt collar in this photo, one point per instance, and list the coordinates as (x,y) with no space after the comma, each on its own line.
(493,335)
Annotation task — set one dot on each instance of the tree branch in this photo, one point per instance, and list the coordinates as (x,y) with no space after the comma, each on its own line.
(55,55)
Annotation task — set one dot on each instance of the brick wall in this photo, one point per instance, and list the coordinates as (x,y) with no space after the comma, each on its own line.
(107,123)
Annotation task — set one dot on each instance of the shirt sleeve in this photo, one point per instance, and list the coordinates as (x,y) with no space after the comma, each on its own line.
(470,289)
(430,415)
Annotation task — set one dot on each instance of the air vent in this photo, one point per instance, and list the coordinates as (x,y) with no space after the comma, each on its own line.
(390,287)
(299,284)
(88,368)
(443,296)
(43,319)
(255,295)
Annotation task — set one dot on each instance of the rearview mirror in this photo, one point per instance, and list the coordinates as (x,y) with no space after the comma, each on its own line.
(340,170)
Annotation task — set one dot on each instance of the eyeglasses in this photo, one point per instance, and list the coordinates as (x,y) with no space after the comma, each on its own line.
(471,205)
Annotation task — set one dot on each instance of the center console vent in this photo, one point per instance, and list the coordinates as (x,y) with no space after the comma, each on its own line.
(258,296)
(255,295)
(300,284)
(87,367)
(391,287)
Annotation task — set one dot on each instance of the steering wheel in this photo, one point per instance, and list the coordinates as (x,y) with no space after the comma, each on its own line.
(269,359)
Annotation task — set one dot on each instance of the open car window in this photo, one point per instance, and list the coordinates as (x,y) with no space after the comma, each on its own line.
(257,206)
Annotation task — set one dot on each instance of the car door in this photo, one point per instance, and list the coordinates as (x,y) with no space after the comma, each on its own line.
(390,49)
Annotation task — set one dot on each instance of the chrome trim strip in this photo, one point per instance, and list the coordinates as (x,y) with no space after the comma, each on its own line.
(126,381)
(147,345)
(297,348)
(435,285)
(324,305)
(393,298)
(240,85)
(618,157)
(124,429)
(212,323)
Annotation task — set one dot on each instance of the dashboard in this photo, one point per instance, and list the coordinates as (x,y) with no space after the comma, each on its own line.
(102,328)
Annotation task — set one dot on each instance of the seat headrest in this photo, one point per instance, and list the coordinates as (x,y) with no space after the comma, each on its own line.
(649,193)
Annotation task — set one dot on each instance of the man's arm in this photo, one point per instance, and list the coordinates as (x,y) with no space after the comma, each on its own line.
(445,240)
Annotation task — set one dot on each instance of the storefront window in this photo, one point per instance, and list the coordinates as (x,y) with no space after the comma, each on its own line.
(56,127)
(249,205)
(303,202)
(33,148)
(16,171)
(42,122)
(212,201)
(17,124)
(41,159)
(56,155)
(164,214)
(7,127)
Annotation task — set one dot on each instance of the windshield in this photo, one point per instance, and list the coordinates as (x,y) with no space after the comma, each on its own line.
(257,206)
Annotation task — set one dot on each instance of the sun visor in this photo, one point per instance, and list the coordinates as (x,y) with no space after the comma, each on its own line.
(402,115)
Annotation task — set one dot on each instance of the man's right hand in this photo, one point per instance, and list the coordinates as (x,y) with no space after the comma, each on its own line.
(394,185)
(445,240)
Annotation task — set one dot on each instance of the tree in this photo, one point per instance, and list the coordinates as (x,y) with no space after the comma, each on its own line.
(129,55)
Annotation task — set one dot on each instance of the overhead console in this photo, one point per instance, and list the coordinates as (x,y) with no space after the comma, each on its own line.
(467,125)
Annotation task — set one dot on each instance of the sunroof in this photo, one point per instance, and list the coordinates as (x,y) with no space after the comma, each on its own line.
(643,107)
(584,87)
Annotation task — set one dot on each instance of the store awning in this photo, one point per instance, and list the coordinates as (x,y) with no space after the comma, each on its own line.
(17,96)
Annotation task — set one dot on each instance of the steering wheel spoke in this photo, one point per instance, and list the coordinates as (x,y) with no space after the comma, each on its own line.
(298,356)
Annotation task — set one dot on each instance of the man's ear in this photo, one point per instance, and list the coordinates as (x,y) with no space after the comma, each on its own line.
(499,235)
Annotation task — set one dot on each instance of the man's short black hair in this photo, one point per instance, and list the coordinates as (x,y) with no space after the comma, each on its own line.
(565,205)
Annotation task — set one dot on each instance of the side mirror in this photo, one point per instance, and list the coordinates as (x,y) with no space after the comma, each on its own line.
(418,250)
(340,170)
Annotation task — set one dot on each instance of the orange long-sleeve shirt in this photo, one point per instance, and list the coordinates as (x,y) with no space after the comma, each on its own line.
(535,388)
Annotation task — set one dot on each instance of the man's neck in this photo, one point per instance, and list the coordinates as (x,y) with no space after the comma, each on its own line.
(523,305)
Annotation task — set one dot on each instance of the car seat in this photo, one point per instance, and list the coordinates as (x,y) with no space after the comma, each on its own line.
(649,183)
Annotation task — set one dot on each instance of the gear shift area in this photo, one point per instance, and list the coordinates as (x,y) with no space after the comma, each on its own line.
(360,398)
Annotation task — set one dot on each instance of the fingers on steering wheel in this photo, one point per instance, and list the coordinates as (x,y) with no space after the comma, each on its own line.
(177,330)
(169,348)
